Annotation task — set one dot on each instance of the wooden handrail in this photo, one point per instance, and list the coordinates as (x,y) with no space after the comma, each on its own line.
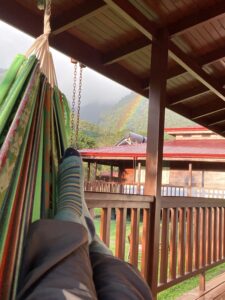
(192,233)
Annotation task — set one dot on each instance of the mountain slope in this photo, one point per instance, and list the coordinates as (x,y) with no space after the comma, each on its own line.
(131,114)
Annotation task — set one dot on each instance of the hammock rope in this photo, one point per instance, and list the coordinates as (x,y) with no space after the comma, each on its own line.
(35,130)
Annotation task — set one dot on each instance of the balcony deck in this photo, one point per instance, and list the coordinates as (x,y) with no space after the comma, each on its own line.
(215,289)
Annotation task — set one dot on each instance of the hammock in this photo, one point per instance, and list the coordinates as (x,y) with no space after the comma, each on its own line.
(34,132)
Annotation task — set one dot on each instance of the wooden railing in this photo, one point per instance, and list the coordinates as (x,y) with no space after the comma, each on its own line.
(167,190)
(191,234)
(124,228)
(192,238)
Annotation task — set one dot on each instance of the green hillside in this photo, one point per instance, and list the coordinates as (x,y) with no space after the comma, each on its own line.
(129,114)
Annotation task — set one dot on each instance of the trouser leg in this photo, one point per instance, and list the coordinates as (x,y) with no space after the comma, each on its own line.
(116,279)
(56,263)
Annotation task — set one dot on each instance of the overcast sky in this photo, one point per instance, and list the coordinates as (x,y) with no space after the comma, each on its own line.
(96,88)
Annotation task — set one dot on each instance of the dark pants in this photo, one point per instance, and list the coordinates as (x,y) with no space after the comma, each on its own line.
(57,265)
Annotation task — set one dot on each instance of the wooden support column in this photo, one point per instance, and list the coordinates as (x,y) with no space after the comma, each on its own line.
(156,115)
(189,179)
(95,170)
(89,171)
(111,178)
(139,179)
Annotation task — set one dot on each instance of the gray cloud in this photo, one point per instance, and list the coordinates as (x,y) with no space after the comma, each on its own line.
(96,88)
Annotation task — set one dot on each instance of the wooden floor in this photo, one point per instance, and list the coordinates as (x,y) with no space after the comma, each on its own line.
(215,289)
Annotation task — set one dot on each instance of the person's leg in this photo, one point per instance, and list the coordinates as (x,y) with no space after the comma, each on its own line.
(114,278)
(56,258)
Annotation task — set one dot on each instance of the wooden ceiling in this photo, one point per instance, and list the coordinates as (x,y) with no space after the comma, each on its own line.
(114,38)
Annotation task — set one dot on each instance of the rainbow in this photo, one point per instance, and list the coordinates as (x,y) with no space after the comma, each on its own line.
(129,113)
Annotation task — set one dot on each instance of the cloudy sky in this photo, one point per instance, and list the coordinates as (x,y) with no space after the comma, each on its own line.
(96,88)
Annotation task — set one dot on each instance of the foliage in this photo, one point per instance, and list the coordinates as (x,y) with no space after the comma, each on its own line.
(85,141)
(122,118)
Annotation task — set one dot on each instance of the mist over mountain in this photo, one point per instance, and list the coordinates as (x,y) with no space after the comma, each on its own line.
(93,112)
(128,114)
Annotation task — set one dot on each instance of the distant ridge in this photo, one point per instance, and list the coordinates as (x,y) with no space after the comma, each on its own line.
(131,114)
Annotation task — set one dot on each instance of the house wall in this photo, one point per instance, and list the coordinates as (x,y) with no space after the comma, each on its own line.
(207,179)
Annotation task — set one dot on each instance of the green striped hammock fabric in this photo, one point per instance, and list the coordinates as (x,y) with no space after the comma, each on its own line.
(34,129)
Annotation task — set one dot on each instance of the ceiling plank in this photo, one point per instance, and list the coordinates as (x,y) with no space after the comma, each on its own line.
(124,51)
(76,15)
(202,60)
(207,110)
(211,57)
(180,98)
(133,16)
(93,59)
(195,70)
(197,18)
(218,122)
(76,49)
(193,92)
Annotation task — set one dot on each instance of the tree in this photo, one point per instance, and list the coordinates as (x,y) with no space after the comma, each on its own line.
(85,141)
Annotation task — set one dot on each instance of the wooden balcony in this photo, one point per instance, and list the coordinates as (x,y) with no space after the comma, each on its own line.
(191,235)
(166,190)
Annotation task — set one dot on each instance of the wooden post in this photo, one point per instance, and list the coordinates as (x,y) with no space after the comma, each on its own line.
(189,179)
(95,170)
(156,114)
(139,179)
(111,178)
(203,179)
(89,171)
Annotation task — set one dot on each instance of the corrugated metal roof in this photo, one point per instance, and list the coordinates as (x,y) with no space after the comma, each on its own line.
(212,149)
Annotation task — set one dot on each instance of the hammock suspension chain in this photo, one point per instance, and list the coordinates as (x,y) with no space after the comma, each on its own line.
(75,125)
(72,141)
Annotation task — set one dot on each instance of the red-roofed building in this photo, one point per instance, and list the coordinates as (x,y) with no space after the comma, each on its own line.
(195,157)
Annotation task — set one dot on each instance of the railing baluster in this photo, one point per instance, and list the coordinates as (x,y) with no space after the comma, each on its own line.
(203,237)
(164,245)
(220,234)
(182,241)
(209,256)
(173,243)
(145,235)
(189,244)
(121,216)
(105,225)
(134,241)
(215,235)
(196,237)
(223,239)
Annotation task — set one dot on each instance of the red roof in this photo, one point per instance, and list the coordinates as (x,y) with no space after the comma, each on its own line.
(172,149)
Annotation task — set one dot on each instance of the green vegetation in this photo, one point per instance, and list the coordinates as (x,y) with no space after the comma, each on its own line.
(125,116)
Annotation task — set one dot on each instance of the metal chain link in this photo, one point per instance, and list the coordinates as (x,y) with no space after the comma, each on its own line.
(79,104)
(72,133)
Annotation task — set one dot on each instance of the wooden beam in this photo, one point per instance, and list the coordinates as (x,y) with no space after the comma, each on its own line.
(171,73)
(93,59)
(133,16)
(211,57)
(207,110)
(124,51)
(202,60)
(154,153)
(180,98)
(76,15)
(195,70)
(212,12)
(217,122)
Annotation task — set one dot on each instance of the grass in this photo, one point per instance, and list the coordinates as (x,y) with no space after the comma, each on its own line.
(173,292)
